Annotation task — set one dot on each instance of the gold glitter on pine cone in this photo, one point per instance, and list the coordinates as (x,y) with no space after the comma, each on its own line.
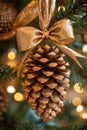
(3,101)
(45,81)
(7,16)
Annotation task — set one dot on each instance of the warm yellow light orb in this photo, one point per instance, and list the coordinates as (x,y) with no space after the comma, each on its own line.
(11,55)
(11,89)
(79,108)
(84,115)
(84,49)
(18,97)
(76,101)
(78,88)
(61,7)
(11,63)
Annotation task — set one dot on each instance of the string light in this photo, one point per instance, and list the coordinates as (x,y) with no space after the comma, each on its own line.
(61,8)
(11,55)
(78,88)
(84,115)
(84,49)
(11,63)
(79,108)
(11,89)
(77,101)
(18,97)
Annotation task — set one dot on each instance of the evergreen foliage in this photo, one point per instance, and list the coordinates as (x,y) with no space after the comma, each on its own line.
(28,126)
(76,11)
(6,72)
(21,125)
(81,126)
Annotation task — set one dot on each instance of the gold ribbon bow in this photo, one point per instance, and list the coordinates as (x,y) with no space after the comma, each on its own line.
(60,33)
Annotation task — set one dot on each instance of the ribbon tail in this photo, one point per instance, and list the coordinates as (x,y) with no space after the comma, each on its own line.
(76,53)
(8,35)
(72,54)
(25,16)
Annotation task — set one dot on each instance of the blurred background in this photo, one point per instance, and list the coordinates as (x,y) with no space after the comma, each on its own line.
(16,110)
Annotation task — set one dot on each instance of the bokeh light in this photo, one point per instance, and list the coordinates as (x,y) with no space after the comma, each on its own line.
(61,8)
(79,108)
(84,49)
(76,101)
(18,97)
(78,88)
(11,63)
(84,115)
(11,89)
(11,55)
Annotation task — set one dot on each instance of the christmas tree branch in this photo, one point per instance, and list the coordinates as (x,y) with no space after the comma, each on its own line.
(75,10)
(21,125)
(81,126)
(6,72)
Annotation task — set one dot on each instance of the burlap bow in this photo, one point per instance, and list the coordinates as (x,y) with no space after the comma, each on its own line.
(60,33)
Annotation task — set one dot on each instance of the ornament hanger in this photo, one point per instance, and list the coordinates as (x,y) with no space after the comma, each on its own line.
(60,33)
(45,9)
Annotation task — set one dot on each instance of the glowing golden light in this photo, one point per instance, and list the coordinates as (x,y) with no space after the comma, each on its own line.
(77,101)
(18,97)
(84,115)
(11,63)
(84,49)
(79,108)
(11,55)
(78,88)
(11,89)
(61,8)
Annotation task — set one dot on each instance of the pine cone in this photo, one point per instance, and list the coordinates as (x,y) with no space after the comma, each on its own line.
(7,16)
(45,81)
(3,101)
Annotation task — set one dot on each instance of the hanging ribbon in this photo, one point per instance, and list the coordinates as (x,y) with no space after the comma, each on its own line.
(60,33)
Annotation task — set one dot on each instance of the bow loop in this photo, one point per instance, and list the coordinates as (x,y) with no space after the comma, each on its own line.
(46,9)
(62,32)
(28,37)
